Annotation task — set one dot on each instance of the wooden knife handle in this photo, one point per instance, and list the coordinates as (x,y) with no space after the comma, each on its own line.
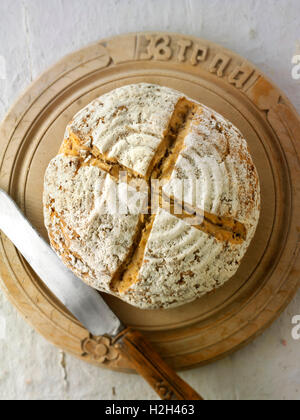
(148,363)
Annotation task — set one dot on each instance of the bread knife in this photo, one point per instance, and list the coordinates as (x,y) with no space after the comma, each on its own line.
(87,305)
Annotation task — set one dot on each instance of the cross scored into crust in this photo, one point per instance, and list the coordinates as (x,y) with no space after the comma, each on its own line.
(161,168)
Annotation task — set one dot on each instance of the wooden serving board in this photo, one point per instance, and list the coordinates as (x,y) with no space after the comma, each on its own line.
(219,323)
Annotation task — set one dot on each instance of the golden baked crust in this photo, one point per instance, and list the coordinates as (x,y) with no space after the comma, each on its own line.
(158,260)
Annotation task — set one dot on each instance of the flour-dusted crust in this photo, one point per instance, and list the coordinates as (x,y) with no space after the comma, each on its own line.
(92,242)
(128,124)
(159,261)
(217,156)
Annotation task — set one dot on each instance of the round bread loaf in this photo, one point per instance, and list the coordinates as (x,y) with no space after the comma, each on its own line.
(190,199)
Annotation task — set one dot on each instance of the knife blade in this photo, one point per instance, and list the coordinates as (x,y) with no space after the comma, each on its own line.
(85,303)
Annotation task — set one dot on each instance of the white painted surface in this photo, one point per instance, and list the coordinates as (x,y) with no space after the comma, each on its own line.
(35,34)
